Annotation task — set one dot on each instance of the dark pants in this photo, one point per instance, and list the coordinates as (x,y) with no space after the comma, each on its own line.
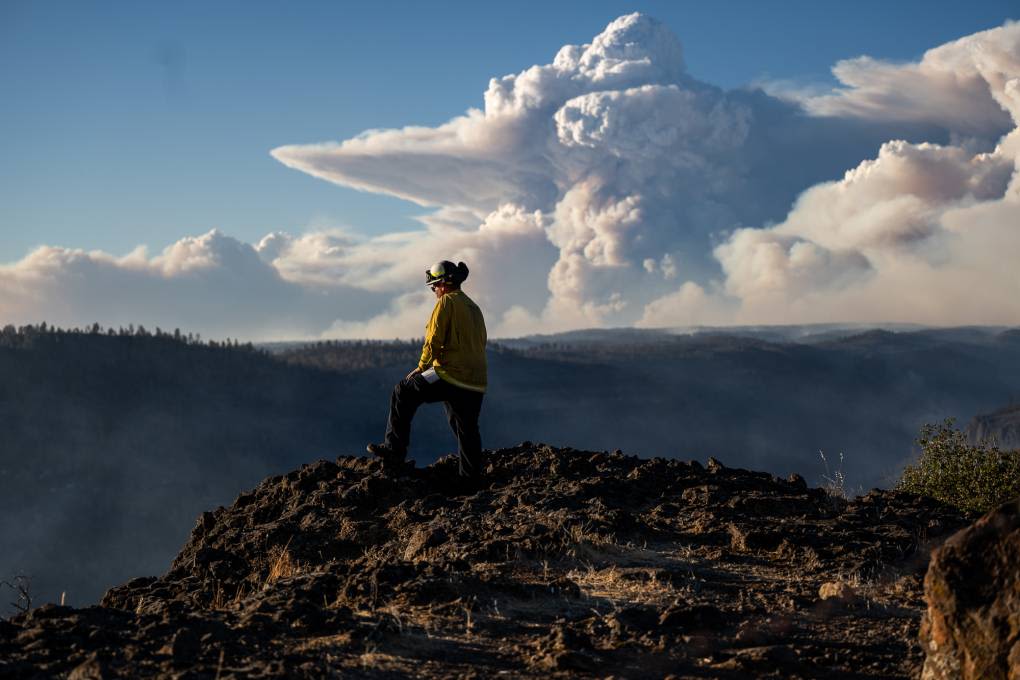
(462,409)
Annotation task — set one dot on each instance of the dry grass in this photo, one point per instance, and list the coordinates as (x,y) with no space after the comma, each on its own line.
(281,565)
(614,584)
(277,564)
(372,659)
(222,601)
(326,643)
(581,542)
(834,483)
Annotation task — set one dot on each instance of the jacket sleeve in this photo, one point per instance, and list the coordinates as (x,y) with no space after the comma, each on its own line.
(435,335)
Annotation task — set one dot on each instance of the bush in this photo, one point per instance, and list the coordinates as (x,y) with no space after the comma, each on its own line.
(971,477)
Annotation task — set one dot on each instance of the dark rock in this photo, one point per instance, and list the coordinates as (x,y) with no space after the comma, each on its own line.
(48,611)
(696,617)
(566,649)
(973,592)
(184,647)
(216,562)
(8,629)
(752,634)
(422,539)
(765,658)
(564,587)
(141,582)
(90,669)
(714,466)
(585,662)
(745,539)
(797,482)
(634,619)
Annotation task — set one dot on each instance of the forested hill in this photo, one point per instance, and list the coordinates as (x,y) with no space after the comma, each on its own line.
(111,442)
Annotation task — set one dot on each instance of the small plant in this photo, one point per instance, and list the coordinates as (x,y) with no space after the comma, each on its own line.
(971,477)
(834,481)
(281,565)
(22,587)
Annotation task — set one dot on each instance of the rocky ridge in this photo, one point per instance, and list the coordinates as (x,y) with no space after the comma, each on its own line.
(568,563)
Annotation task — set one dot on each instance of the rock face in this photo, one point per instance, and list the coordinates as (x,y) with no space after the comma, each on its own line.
(971,629)
(570,563)
(1002,427)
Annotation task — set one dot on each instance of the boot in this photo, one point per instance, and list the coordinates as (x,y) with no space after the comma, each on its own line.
(392,459)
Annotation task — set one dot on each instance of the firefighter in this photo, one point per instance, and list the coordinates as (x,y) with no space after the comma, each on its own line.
(452,369)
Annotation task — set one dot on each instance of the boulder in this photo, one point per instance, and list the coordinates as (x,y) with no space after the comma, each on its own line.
(838,592)
(91,668)
(971,629)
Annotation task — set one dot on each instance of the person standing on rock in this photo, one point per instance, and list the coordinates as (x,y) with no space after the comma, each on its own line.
(452,370)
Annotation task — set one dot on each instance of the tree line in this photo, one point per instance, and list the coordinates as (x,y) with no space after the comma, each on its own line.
(15,337)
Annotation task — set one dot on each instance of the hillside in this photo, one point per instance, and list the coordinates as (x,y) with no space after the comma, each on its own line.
(112,443)
(570,562)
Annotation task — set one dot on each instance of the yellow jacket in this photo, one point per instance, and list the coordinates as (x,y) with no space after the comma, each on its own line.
(455,342)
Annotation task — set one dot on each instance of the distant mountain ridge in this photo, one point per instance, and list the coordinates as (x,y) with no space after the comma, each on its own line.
(770,333)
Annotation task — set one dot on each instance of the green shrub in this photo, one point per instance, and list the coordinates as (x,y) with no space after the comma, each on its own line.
(973,478)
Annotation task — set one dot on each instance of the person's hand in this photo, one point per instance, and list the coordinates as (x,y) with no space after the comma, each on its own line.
(412,374)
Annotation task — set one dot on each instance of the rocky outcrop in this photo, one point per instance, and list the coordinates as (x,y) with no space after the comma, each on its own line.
(570,563)
(971,629)
(1001,427)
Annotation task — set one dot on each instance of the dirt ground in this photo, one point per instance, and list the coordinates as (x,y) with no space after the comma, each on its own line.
(566,564)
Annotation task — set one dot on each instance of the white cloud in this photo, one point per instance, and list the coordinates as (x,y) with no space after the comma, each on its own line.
(610,187)
(690,305)
(896,198)
(213,284)
(919,234)
(963,86)
(628,157)
(404,313)
(764,264)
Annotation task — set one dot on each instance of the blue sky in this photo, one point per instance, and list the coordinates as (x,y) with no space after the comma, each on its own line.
(138,123)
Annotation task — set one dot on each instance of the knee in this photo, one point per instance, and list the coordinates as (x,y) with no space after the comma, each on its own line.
(404,387)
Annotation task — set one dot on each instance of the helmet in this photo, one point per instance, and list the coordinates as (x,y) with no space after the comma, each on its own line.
(447,272)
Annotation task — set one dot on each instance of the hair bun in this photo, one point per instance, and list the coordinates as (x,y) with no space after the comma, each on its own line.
(462,272)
